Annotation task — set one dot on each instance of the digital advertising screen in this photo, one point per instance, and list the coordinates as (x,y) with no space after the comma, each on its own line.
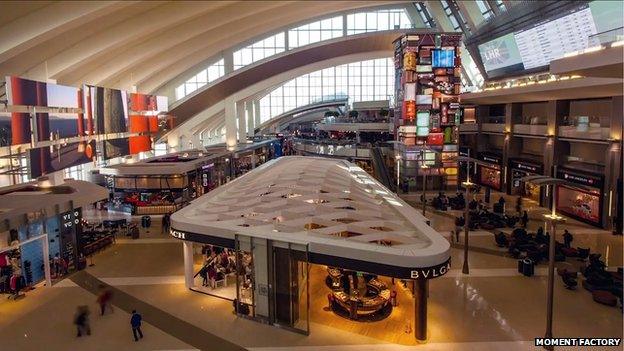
(115,148)
(442,58)
(108,108)
(55,158)
(26,92)
(147,103)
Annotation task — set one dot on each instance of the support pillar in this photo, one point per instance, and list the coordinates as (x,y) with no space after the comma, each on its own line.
(242,121)
(188,264)
(421,286)
(230,123)
(46,261)
(251,122)
(256,108)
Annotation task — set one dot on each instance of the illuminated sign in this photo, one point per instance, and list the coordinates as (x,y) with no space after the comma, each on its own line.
(490,158)
(178,234)
(526,167)
(432,272)
(580,178)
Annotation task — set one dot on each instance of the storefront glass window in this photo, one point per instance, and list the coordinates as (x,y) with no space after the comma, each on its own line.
(490,177)
(579,203)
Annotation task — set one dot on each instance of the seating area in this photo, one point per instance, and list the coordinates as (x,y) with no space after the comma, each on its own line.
(443,202)
(605,286)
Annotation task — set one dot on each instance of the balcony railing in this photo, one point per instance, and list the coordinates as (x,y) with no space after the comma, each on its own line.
(330,149)
(493,127)
(468,128)
(531,129)
(593,133)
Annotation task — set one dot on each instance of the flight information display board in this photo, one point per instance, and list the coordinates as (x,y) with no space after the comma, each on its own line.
(551,40)
(535,47)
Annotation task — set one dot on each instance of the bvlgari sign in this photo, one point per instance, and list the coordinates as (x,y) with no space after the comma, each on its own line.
(433,272)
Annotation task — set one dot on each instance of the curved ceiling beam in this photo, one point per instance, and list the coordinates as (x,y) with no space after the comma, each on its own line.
(122,60)
(31,62)
(243,78)
(87,52)
(36,27)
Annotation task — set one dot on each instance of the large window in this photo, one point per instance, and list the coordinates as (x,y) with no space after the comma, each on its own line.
(317,31)
(213,72)
(471,71)
(485,9)
(74,172)
(160,149)
(449,13)
(359,81)
(372,21)
(424,14)
(326,29)
(501,5)
(259,50)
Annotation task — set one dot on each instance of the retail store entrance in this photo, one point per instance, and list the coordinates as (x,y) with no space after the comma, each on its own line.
(521,169)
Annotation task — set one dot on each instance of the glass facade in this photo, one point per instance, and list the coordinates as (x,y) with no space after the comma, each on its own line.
(260,50)
(424,14)
(485,9)
(317,31)
(213,72)
(326,29)
(371,21)
(357,81)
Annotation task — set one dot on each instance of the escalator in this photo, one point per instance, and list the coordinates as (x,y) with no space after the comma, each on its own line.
(381,169)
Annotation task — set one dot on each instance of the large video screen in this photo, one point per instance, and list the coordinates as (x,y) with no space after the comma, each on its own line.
(115,148)
(535,47)
(46,160)
(108,108)
(26,92)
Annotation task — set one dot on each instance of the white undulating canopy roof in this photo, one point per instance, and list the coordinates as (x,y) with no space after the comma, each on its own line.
(332,205)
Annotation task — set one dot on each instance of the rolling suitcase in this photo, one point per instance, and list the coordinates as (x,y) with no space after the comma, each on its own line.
(526,267)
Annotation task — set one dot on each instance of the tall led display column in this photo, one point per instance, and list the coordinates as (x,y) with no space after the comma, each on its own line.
(427,110)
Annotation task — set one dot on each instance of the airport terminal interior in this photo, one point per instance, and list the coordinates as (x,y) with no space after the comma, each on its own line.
(311,175)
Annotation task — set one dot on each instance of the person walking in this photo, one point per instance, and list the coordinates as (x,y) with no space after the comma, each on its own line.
(525,219)
(135,322)
(104,299)
(567,238)
(81,320)
(166,222)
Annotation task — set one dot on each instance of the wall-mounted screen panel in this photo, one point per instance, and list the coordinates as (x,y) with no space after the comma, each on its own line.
(115,148)
(443,58)
(56,158)
(108,108)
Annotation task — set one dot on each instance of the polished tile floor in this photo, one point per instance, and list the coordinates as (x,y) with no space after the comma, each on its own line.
(494,308)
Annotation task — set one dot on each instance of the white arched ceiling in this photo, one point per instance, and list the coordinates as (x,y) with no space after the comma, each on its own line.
(137,43)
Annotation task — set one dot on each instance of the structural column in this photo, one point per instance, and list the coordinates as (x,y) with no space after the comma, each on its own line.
(251,122)
(613,170)
(242,121)
(256,108)
(420,295)
(230,123)
(46,260)
(188,264)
